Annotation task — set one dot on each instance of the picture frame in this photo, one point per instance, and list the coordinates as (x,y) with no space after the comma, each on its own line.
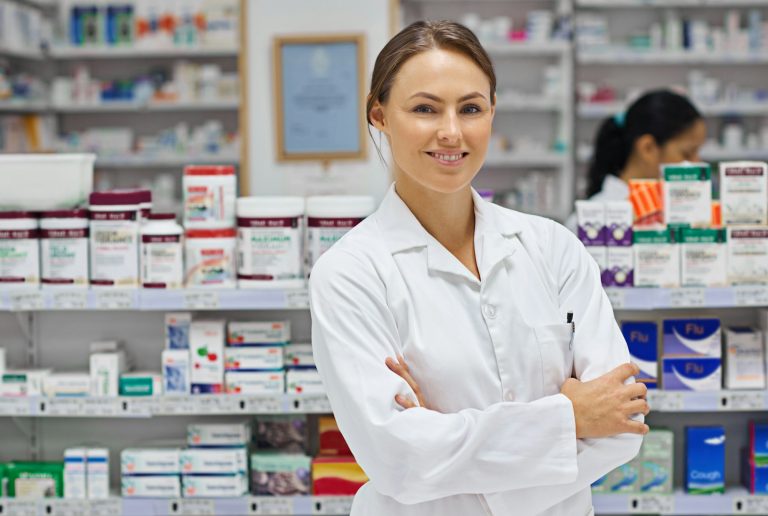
(319,84)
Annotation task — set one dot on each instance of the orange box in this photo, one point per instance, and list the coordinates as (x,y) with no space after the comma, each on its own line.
(332,443)
(647,201)
(338,476)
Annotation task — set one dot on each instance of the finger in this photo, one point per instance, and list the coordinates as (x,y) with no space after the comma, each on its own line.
(637,407)
(403,363)
(625,371)
(637,390)
(636,427)
(398,369)
(405,402)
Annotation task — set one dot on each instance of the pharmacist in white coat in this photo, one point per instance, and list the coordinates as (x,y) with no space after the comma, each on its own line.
(659,127)
(475,299)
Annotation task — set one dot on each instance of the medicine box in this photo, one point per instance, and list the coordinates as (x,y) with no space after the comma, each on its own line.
(150,461)
(294,470)
(299,355)
(590,217)
(705,460)
(177,328)
(218,434)
(643,341)
(176,372)
(687,190)
(213,461)
(207,351)
(692,338)
(259,333)
(691,374)
(214,486)
(744,358)
(744,192)
(253,358)
(255,382)
(158,486)
(303,381)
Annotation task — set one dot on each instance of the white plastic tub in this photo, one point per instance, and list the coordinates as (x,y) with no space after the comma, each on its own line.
(39,182)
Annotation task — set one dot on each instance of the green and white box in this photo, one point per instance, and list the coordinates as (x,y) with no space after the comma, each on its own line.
(214,461)
(158,486)
(703,258)
(236,434)
(141,384)
(744,192)
(687,190)
(214,486)
(150,461)
(747,255)
(299,355)
(657,259)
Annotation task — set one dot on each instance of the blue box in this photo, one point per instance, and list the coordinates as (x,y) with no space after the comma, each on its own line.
(693,338)
(705,459)
(692,374)
(643,340)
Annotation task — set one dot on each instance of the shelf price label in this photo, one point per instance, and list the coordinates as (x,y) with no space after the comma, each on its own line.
(191,506)
(666,401)
(269,506)
(26,301)
(115,299)
(201,300)
(263,404)
(742,401)
(751,296)
(19,507)
(686,297)
(171,405)
(310,403)
(297,299)
(65,507)
(651,504)
(101,407)
(750,505)
(61,407)
(617,297)
(109,507)
(14,406)
(70,300)
(331,505)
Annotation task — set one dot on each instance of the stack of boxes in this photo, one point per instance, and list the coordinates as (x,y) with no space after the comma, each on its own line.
(643,341)
(755,460)
(281,466)
(216,462)
(206,349)
(86,473)
(650,472)
(605,228)
(176,361)
(150,472)
(692,356)
(335,471)
(254,357)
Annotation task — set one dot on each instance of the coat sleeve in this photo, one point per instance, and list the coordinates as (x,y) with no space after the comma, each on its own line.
(418,455)
(599,347)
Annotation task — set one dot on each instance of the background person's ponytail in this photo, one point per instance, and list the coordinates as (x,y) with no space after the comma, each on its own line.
(660,113)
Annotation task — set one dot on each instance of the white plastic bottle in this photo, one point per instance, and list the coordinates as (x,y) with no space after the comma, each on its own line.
(115,238)
(209,196)
(64,248)
(162,252)
(19,251)
(329,218)
(210,257)
(270,242)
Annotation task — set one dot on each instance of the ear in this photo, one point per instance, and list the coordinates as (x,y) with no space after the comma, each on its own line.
(377,118)
(647,149)
(493,106)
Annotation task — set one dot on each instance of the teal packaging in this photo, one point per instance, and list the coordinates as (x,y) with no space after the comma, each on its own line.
(705,460)
(657,462)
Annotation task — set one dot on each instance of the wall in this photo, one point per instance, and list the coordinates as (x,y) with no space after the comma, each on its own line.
(269,18)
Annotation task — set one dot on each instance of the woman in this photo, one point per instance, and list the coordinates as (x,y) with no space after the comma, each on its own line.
(476,299)
(659,127)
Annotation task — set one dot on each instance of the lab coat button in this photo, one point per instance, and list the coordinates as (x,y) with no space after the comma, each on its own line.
(508,396)
(489,311)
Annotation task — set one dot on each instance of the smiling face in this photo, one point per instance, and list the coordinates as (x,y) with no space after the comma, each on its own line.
(438,120)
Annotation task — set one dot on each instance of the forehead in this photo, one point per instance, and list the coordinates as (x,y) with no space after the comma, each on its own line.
(693,134)
(442,72)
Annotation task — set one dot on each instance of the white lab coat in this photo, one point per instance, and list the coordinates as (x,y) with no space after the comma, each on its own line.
(490,357)
(613,189)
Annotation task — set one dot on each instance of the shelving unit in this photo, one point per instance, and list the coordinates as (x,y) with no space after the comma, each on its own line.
(69,53)
(129,106)
(735,501)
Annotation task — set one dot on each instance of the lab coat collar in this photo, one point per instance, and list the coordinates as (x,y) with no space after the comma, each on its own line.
(494,235)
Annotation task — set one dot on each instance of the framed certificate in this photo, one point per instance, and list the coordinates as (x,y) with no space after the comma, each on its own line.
(319,92)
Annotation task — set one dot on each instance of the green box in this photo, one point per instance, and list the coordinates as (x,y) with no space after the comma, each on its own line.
(35,480)
(140,384)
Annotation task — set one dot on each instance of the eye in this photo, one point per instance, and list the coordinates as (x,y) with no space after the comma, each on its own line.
(471,109)
(423,108)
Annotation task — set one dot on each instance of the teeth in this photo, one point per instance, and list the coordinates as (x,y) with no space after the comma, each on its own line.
(449,157)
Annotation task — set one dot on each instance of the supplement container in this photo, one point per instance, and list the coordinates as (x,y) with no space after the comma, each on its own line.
(64,248)
(19,250)
(209,196)
(145,205)
(210,258)
(269,242)
(162,252)
(329,218)
(115,238)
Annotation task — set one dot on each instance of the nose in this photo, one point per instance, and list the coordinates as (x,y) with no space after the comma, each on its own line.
(450,130)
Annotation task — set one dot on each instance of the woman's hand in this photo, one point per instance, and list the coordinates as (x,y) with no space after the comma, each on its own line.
(603,406)
(400,368)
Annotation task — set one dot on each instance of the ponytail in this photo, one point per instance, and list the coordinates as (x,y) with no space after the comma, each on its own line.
(660,113)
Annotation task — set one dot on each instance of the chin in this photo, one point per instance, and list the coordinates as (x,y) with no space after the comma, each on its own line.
(446,183)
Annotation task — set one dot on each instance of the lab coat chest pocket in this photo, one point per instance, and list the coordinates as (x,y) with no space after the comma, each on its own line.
(556,350)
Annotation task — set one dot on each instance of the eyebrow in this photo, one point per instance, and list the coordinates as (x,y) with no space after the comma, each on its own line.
(468,96)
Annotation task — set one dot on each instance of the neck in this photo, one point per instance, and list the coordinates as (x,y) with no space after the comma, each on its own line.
(634,169)
(449,218)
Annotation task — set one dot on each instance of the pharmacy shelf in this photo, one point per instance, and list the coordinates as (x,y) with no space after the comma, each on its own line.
(35,55)
(157,406)
(617,56)
(734,502)
(154,299)
(139,161)
(688,298)
(711,401)
(605,4)
(253,505)
(601,110)
(23,106)
(526,159)
(533,103)
(122,106)
(584,154)
(65,52)
(544,48)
